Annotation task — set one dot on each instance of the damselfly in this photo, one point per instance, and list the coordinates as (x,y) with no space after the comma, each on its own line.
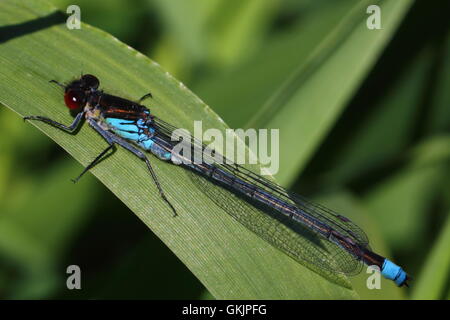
(341,245)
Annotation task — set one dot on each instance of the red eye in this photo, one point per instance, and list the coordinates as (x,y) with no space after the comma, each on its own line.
(74,99)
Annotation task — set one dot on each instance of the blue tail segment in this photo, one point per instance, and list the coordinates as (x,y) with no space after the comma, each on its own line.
(393,272)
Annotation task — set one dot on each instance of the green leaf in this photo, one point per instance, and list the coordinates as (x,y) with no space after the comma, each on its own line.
(230,42)
(207,37)
(439,119)
(29,205)
(301,84)
(136,270)
(311,100)
(435,274)
(36,229)
(118,17)
(228,259)
(367,149)
(188,34)
(408,194)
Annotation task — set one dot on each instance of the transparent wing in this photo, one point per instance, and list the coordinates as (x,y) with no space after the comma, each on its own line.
(293,238)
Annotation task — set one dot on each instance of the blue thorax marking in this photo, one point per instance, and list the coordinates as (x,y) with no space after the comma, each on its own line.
(134,131)
(130,129)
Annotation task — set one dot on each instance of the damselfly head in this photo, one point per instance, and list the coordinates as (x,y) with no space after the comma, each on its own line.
(90,82)
(77,92)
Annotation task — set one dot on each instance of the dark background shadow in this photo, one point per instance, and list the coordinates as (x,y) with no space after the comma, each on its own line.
(17,30)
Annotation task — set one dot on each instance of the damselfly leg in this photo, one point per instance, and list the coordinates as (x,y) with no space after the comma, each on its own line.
(70,129)
(113,139)
(101,156)
(145,96)
(58,83)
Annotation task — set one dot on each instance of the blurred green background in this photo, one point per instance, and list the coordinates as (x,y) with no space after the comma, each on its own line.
(383,160)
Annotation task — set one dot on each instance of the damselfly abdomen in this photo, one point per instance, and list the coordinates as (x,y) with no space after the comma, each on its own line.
(343,245)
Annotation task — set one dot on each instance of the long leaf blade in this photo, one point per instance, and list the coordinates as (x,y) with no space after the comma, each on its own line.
(232,263)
